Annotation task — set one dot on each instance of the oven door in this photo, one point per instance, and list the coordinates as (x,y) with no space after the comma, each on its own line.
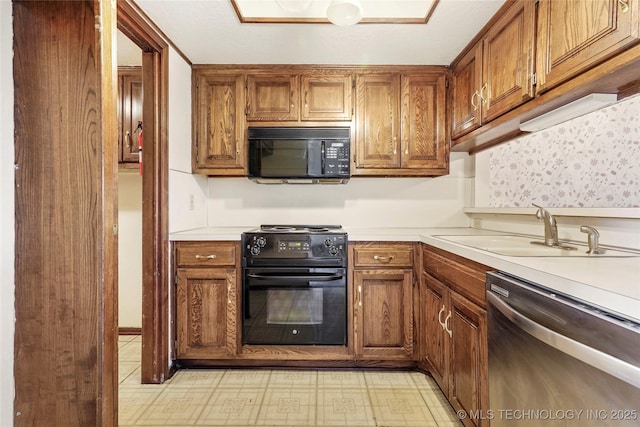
(294,306)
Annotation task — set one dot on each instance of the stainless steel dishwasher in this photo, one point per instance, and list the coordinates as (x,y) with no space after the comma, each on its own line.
(557,361)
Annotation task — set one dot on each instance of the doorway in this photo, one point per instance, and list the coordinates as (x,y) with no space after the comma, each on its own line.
(129,186)
(155,234)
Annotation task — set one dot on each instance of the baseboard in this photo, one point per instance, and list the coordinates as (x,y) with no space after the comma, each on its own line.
(129,331)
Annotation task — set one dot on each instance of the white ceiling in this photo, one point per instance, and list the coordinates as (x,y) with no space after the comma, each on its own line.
(209,32)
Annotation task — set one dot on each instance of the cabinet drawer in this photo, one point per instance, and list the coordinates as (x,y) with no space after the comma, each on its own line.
(376,255)
(464,276)
(206,254)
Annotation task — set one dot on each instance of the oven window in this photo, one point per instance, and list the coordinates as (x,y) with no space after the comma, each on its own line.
(294,306)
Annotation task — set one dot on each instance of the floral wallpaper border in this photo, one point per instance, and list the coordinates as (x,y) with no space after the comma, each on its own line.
(590,161)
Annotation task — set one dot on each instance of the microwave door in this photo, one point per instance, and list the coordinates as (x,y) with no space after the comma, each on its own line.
(315,151)
(282,158)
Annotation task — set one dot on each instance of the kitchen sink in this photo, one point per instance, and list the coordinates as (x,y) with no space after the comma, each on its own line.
(525,246)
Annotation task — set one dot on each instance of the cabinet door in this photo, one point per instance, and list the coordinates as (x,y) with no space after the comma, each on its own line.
(130,113)
(219,145)
(466,102)
(206,313)
(508,55)
(272,97)
(383,327)
(378,121)
(468,356)
(326,96)
(578,34)
(435,305)
(424,144)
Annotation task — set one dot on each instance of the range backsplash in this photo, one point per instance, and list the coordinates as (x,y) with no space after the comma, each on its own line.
(591,161)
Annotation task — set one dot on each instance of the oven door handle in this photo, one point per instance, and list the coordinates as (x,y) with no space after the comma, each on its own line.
(297,277)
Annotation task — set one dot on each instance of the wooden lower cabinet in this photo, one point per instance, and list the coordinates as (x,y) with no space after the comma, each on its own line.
(383,324)
(206,301)
(454,333)
(383,279)
(206,313)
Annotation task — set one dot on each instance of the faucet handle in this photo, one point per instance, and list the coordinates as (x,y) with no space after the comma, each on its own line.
(539,212)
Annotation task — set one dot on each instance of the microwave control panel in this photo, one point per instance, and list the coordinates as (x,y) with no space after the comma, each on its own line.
(337,158)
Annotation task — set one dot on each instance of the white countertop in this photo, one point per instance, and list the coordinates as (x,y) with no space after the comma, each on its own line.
(610,283)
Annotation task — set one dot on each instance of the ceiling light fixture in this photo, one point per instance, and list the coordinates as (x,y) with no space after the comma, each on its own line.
(344,12)
(574,109)
(294,6)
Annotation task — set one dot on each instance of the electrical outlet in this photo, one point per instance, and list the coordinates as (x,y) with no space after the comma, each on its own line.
(192,202)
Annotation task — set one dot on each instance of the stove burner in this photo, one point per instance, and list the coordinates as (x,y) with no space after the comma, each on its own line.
(317,229)
(300,228)
(277,228)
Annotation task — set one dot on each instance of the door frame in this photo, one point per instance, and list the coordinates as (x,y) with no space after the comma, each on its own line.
(136,26)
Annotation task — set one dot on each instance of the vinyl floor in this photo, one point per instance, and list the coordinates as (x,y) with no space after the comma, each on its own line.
(261,397)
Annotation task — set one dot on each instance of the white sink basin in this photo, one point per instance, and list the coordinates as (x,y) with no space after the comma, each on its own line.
(511,245)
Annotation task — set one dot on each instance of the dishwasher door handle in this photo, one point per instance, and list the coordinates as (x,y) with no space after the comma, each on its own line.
(605,362)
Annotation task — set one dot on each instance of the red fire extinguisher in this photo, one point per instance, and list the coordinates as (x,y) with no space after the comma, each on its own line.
(139,129)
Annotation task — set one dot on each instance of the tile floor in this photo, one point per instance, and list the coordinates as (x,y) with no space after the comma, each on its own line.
(257,397)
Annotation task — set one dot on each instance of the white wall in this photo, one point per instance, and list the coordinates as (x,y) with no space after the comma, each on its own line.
(187,192)
(129,249)
(7,208)
(363,202)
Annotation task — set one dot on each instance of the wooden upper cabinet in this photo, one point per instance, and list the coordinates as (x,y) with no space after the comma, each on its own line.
(466,82)
(496,75)
(326,96)
(219,144)
(129,112)
(575,35)
(423,135)
(378,121)
(400,126)
(508,55)
(273,97)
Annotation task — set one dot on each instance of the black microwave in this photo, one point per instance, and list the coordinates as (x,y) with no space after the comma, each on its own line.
(299,155)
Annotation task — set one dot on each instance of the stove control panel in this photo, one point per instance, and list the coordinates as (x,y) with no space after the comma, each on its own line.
(294,245)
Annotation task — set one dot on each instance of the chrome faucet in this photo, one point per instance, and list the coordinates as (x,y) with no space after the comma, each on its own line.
(592,240)
(550,226)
